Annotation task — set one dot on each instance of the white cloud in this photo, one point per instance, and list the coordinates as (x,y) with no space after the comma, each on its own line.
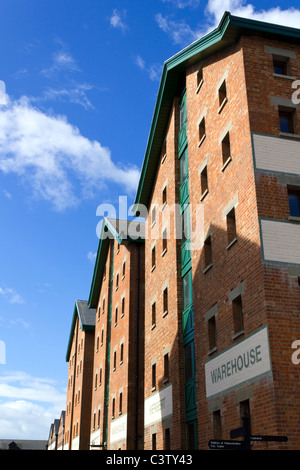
(182,33)
(140,62)
(153,71)
(276,15)
(91,256)
(11,295)
(117,20)
(51,155)
(62,61)
(183,3)
(28,406)
(73,94)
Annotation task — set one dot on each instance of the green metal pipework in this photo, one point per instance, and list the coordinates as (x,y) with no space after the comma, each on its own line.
(186,274)
(111,277)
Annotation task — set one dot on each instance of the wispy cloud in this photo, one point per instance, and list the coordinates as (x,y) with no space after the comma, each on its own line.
(76,94)
(11,295)
(52,156)
(179,31)
(27,405)
(117,20)
(91,256)
(153,71)
(62,61)
(183,3)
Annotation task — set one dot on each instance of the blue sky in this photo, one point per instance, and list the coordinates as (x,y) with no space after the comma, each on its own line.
(78,85)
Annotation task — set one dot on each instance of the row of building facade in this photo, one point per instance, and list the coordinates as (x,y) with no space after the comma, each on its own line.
(193,312)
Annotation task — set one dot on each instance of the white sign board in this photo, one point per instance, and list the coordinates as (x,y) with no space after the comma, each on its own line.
(95,440)
(158,406)
(246,360)
(118,429)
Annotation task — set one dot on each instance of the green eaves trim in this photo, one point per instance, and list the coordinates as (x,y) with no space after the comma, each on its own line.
(228,31)
(107,226)
(84,326)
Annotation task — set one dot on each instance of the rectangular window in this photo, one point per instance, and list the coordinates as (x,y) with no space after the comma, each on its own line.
(245,411)
(123,269)
(153,376)
(165,301)
(217,429)
(222,94)
(187,290)
(164,195)
(153,314)
(165,240)
(207,252)
(115,360)
(122,353)
(294,202)
(201,131)
(237,310)
(99,415)
(116,316)
(123,306)
(199,78)
(153,215)
(204,182)
(153,255)
(166,367)
(167,443)
(212,333)
(286,121)
(189,360)
(183,167)
(120,403)
(231,226)
(113,407)
(153,441)
(226,152)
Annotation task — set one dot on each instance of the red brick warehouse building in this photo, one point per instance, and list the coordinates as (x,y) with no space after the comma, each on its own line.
(191,324)
(220,319)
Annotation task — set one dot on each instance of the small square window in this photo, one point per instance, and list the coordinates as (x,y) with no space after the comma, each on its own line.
(281,65)
(286,121)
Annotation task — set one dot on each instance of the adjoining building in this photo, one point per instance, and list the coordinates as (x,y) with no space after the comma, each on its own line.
(117,295)
(222,301)
(80,355)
